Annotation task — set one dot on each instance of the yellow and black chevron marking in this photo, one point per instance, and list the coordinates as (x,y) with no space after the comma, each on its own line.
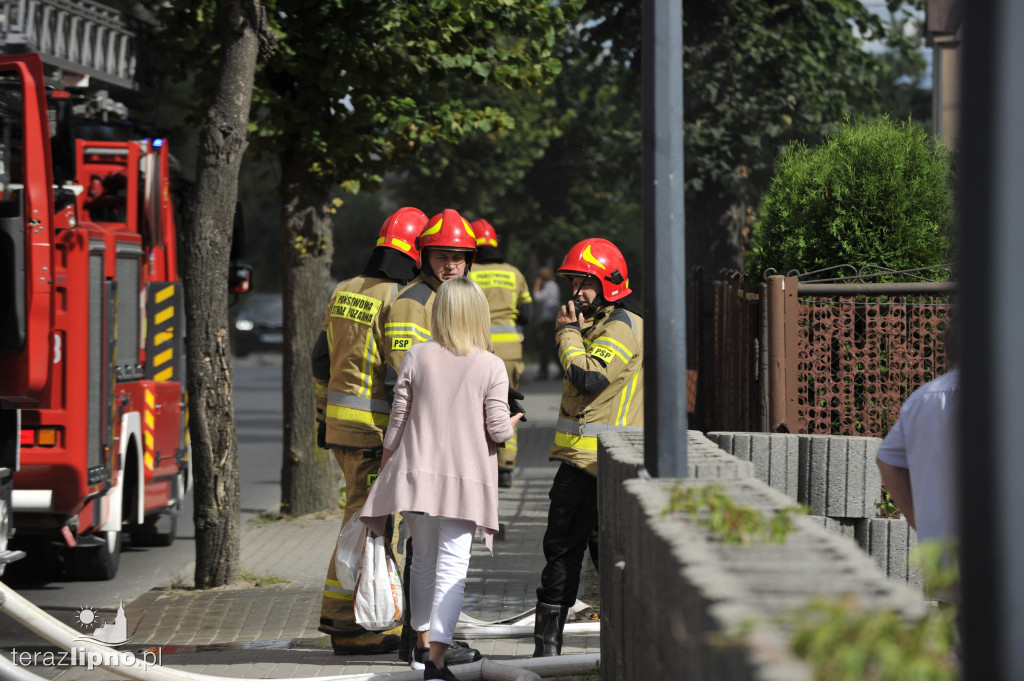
(165,332)
(148,427)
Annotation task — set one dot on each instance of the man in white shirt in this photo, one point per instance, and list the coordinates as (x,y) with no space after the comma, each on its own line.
(917,459)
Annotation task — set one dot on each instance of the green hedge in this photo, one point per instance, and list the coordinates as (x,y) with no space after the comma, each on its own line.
(873,193)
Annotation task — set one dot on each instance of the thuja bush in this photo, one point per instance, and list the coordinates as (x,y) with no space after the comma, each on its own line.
(873,193)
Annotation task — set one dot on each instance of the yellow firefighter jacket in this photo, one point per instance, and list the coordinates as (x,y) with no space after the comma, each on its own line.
(353,399)
(507,292)
(603,388)
(406,322)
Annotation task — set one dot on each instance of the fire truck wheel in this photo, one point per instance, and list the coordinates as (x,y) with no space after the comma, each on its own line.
(97,557)
(158,530)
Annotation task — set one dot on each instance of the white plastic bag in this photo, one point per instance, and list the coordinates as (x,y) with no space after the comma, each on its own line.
(379,596)
(349,553)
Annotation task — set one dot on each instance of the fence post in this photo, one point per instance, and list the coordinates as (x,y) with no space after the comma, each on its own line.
(763,358)
(782,385)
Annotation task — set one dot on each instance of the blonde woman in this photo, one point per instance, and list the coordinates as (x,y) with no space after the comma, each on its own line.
(438,469)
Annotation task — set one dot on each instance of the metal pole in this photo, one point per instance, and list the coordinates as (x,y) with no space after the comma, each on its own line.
(664,242)
(992,321)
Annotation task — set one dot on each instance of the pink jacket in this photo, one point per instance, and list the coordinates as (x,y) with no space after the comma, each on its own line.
(448,413)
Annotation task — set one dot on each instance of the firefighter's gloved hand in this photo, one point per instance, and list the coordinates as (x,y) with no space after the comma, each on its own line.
(321,434)
(513,403)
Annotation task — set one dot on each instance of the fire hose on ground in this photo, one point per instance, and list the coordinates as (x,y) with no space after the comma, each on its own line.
(129,665)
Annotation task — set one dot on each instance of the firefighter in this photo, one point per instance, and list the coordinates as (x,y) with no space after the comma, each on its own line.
(511,305)
(447,248)
(600,347)
(352,409)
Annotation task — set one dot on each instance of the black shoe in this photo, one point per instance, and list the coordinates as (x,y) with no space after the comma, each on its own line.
(364,643)
(432,672)
(505,477)
(458,653)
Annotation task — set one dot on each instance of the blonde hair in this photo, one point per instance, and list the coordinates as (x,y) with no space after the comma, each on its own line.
(461,320)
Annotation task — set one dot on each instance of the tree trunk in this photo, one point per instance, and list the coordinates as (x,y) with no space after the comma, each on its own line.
(309,475)
(208,231)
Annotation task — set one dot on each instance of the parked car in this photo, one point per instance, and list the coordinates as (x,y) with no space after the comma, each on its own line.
(259,325)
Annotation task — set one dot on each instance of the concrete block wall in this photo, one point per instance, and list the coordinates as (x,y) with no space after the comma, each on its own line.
(668,588)
(774,456)
(835,475)
(891,542)
(622,459)
(838,475)
(704,459)
(843,527)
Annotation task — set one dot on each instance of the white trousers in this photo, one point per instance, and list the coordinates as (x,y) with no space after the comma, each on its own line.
(441,550)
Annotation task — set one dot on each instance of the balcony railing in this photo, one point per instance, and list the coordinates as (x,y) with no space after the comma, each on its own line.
(77,36)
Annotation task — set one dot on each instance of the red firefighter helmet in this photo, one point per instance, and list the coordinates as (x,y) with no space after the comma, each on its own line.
(448,231)
(485,234)
(400,230)
(599,258)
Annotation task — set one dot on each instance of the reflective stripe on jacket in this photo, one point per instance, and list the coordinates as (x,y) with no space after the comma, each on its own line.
(604,385)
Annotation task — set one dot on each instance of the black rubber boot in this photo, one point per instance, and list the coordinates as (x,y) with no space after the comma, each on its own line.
(547,629)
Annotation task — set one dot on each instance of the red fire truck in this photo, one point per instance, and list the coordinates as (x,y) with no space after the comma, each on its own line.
(93,425)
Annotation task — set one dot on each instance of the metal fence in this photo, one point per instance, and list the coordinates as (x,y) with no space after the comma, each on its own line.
(807,357)
(859,359)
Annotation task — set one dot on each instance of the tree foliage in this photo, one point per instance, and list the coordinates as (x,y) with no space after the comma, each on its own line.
(362,84)
(548,182)
(874,193)
(758,75)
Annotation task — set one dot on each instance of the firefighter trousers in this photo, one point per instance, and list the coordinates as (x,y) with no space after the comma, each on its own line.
(508,450)
(571,530)
(360,468)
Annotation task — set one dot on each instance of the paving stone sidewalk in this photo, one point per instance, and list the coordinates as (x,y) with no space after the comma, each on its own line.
(270,631)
